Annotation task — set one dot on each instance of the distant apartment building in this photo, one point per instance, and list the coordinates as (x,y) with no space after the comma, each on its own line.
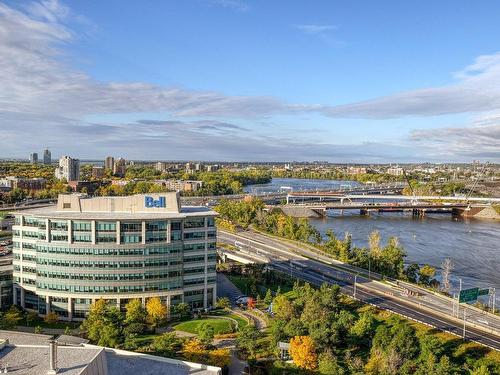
(109,162)
(180,185)
(68,169)
(356,170)
(212,168)
(161,166)
(189,167)
(88,187)
(98,172)
(34,158)
(395,171)
(47,157)
(23,183)
(120,167)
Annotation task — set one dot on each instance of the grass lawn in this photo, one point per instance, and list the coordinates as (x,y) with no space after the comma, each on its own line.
(242,322)
(220,326)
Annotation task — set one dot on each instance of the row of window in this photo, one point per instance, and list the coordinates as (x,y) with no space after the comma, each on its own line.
(108,264)
(109,226)
(108,288)
(110,277)
(200,258)
(190,271)
(199,281)
(169,249)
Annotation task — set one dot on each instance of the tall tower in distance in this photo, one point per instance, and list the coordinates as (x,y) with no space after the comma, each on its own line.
(47,156)
(120,167)
(34,158)
(109,163)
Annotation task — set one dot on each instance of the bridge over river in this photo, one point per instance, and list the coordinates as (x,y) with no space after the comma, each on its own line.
(318,203)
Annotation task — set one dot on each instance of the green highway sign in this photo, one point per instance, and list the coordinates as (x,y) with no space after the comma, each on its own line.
(483,292)
(468,295)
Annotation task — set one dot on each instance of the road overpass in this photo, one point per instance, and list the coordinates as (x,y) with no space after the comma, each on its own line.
(309,264)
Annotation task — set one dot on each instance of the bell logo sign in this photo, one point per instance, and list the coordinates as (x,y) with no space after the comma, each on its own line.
(150,202)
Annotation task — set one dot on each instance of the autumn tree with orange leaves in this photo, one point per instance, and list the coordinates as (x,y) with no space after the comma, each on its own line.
(303,352)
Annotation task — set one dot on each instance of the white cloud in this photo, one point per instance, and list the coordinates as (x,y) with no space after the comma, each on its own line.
(316,29)
(238,5)
(46,98)
(477,89)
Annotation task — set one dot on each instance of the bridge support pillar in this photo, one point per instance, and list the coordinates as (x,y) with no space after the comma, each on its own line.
(418,212)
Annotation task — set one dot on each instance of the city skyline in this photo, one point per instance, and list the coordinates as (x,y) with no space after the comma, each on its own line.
(235,80)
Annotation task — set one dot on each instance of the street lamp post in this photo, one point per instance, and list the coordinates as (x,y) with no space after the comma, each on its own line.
(355,280)
(465,309)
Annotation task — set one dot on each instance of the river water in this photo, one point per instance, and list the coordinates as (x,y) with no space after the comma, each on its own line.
(472,244)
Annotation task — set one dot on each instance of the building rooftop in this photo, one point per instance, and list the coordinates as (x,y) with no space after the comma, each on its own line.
(28,354)
(24,338)
(34,359)
(53,213)
(140,206)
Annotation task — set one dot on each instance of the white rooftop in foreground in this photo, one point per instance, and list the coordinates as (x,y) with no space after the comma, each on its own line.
(28,354)
(138,206)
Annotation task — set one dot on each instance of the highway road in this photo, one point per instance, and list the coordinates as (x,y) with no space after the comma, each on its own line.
(303,262)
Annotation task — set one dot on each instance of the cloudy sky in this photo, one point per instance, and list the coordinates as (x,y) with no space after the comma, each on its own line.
(360,81)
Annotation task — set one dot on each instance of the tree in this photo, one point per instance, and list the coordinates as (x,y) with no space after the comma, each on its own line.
(156,310)
(193,350)
(182,309)
(283,307)
(103,324)
(251,303)
(446,269)
(219,357)
(328,364)
(135,312)
(247,339)
(269,297)
(166,344)
(31,317)
(482,370)
(412,272)
(206,334)
(223,303)
(374,244)
(363,328)
(426,273)
(11,318)
(135,317)
(303,352)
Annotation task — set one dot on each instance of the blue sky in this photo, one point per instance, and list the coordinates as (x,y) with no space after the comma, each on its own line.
(358,81)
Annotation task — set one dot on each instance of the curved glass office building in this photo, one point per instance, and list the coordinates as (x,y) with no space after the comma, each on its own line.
(116,248)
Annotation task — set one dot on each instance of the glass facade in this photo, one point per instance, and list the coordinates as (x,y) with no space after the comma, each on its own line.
(63,265)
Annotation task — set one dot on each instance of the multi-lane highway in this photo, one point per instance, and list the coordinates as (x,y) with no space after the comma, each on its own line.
(305,263)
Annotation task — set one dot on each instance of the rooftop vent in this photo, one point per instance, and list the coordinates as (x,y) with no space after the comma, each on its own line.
(52,358)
